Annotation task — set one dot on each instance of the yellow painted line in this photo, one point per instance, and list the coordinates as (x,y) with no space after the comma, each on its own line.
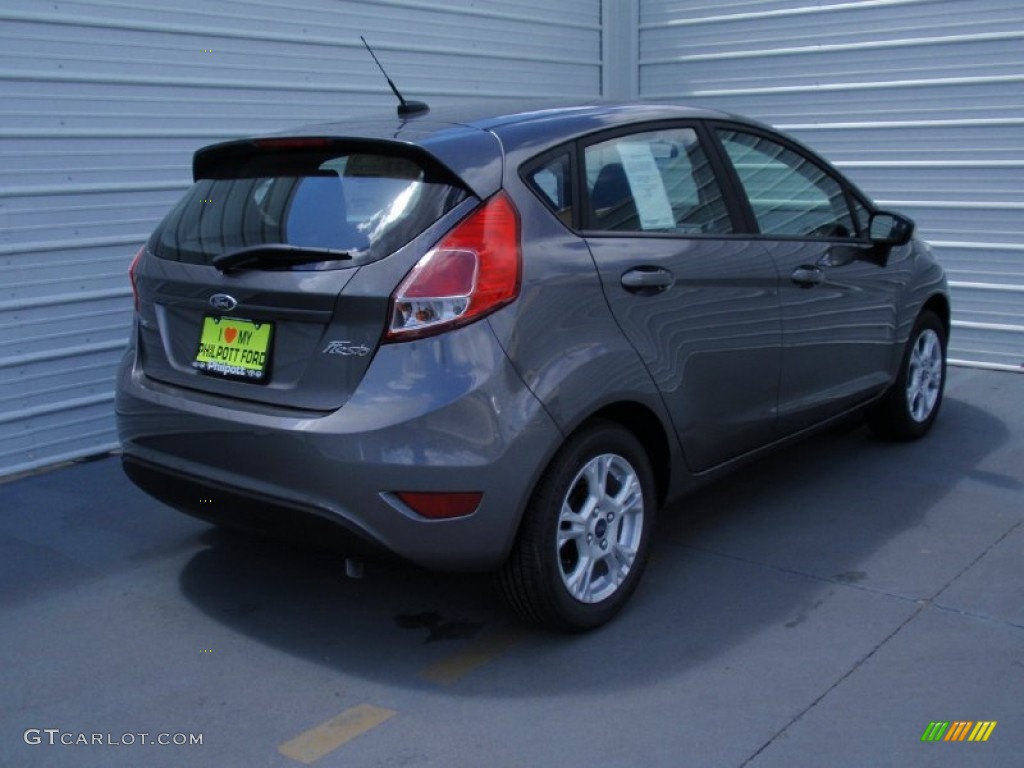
(310,746)
(478,653)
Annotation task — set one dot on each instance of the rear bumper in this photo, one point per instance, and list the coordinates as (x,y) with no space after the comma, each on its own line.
(444,414)
(237,508)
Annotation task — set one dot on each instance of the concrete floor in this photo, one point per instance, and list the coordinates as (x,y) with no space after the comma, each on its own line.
(819,608)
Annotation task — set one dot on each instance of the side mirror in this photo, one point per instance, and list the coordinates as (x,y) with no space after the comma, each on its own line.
(888,228)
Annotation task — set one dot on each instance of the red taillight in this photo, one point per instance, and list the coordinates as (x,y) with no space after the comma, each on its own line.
(440,506)
(474,270)
(131,276)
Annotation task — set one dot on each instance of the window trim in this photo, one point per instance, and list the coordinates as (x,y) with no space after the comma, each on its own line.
(741,214)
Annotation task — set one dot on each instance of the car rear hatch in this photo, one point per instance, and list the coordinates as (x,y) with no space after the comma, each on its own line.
(270,280)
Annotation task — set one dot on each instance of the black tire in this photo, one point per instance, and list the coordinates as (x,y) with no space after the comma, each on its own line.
(560,572)
(910,406)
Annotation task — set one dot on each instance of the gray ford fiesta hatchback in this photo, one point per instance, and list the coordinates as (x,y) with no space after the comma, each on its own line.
(504,342)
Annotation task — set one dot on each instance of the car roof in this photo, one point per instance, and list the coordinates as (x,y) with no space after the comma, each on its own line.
(473,140)
(561,119)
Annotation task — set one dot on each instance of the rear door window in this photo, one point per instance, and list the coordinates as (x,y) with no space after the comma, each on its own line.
(361,203)
(656,181)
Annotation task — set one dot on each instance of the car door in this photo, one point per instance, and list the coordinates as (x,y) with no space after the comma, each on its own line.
(838,296)
(696,297)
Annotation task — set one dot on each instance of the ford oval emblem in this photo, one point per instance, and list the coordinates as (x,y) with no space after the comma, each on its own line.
(223,302)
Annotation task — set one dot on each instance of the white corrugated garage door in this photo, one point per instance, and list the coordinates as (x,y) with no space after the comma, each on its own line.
(102,103)
(919,101)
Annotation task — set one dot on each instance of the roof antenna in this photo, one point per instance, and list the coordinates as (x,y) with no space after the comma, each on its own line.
(405,108)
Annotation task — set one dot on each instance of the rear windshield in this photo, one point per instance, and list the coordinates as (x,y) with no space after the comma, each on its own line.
(364,204)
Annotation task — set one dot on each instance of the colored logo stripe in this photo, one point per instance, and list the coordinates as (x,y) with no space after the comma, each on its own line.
(935,730)
(958,730)
(982,730)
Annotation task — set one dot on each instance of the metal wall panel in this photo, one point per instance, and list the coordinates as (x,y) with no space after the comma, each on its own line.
(921,102)
(102,103)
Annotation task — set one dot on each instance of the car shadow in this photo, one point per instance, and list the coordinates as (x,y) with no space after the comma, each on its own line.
(758,549)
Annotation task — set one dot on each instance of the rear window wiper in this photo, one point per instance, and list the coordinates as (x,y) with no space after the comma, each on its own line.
(277,254)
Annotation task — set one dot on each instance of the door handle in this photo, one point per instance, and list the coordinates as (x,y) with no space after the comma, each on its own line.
(647,280)
(807,276)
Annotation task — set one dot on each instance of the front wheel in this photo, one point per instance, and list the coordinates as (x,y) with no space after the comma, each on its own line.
(586,532)
(908,410)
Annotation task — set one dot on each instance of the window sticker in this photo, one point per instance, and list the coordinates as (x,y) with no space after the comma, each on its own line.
(645,181)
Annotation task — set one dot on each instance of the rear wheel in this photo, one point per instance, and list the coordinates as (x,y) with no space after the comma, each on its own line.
(585,536)
(909,408)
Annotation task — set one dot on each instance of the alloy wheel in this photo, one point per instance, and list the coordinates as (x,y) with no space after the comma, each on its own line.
(599,528)
(924,375)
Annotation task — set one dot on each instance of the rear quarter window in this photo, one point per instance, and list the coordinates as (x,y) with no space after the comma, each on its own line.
(551,180)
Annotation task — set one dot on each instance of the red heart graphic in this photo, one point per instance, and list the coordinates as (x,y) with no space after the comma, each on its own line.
(229,334)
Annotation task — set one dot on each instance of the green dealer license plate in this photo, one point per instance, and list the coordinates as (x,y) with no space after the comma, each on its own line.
(233,348)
